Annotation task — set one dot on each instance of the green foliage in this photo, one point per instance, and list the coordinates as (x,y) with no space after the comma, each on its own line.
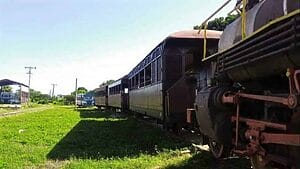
(218,23)
(108,82)
(69,99)
(38,97)
(6,88)
(80,90)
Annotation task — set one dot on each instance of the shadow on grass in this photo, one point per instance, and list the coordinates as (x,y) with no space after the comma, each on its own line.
(109,138)
(204,160)
(92,113)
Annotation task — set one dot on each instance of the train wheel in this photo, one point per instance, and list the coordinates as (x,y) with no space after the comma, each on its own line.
(218,150)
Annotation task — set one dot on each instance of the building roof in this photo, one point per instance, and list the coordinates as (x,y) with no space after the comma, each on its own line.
(5,82)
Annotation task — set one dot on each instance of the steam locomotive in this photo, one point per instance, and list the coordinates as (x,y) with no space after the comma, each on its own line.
(240,88)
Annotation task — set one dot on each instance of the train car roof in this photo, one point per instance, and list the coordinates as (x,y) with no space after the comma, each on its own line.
(187,34)
(191,34)
(117,82)
(101,88)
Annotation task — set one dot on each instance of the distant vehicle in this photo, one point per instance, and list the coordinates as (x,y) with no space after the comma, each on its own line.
(9,98)
(84,100)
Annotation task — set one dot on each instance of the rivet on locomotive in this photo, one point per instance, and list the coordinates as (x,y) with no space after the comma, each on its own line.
(247,100)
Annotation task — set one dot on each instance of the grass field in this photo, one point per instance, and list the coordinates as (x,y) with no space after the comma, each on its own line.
(24,108)
(61,137)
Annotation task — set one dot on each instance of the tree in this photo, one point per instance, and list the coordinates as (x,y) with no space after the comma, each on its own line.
(80,90)
(218,23)
(38,97)
(6,88)
(69,99)
(108,82)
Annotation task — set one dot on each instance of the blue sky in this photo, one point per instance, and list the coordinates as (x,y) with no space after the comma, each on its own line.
(93,40)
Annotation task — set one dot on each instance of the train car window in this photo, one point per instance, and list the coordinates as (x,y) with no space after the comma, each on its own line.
(142,78)
(153,72)
(130,83)
(148,75)
(136,81)
(157,52)
(159,73)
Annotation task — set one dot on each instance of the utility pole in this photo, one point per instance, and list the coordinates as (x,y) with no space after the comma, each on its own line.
(29,78)
(76,93)
(53,87)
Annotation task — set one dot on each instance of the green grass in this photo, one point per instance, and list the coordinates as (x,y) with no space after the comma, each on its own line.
(61,137)
(24,108)
(7,110)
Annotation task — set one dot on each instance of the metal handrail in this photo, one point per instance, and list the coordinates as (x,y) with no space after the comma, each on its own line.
(242,13)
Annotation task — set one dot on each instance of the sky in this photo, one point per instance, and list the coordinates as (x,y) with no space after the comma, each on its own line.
(92,40)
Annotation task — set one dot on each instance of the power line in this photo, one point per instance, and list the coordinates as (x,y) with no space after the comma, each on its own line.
(29,78)
(53,87)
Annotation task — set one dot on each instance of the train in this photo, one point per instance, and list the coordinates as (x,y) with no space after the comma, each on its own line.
(85,100)
(238,88)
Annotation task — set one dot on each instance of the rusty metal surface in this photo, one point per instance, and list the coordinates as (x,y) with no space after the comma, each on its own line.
(280,100)
(261,123)
(176,104)
(291,101)
(286,139)
(296,80)
(189,113)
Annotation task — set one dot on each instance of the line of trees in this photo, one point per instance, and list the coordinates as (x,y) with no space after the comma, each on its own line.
(6,89)
(218,23)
